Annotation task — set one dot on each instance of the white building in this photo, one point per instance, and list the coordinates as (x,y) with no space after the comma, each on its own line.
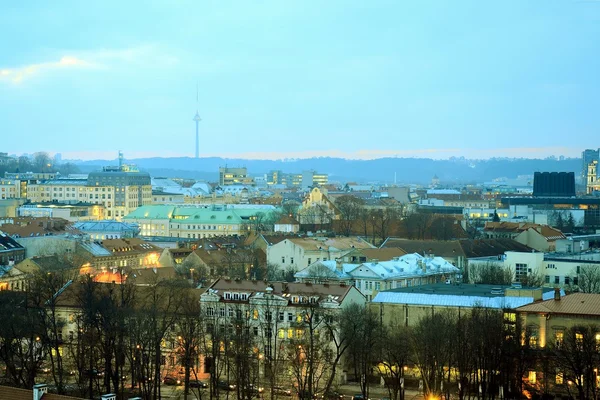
(372,277)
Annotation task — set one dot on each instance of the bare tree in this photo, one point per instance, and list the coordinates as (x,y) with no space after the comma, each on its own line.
(576,357)
(350,208)
(394,355)
(588,278)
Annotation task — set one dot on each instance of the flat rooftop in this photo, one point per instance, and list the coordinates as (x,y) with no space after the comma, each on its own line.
(462,289)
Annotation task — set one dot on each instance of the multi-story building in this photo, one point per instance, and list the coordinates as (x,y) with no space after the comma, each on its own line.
(299,253)
(305,180)
(372,277)
(119,190)
(195,222)
(587,157)
(234,176)
(277,317)
(130,189)
(408,306)
(592,183)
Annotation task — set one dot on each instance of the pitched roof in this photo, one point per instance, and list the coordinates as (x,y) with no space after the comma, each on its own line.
(382,254)
(491,247)
(287,220)
(149,276)
(340,243)
(574,304)
(442,248)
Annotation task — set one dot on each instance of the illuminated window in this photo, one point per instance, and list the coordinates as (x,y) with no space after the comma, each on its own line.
(281,333)
(559,338)
(532,377)
(559,378)
(255,314)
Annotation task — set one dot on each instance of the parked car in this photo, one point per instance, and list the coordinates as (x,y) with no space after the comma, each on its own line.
(282,391)
(169,380)
(198,384)
(224,385)
(332,395)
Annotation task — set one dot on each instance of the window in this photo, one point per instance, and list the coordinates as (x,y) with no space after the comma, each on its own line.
(236,296)
(230,312)
(291,260)
(290,333)
(532,377)
(559,337)
(559,378)
(578,269)
(227,296)
(290,317)
(255,331)
(547,279)
(283,260)
(551,266)
(377,285)
(567,280)
(210,311)
(281,333)
(255,314)
(222,311)
(520,271)
(269,316)
(309,261)
(281,316)
(556,280)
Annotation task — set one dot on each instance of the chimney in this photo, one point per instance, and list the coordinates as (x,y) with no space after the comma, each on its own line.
(39,391)
(556,294)
(338,265)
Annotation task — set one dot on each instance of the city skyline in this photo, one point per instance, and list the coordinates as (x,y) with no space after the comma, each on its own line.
(300,80)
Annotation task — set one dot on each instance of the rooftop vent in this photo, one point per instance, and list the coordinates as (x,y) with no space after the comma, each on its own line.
(497,290)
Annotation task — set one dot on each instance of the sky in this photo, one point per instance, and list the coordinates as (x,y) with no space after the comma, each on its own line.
(293,79)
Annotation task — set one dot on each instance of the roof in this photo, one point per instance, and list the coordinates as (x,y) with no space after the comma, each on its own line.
(149,276)
(105,226)
(574,304)
(12,393)
(8,244)
(339,243)
(326,270)
(382,254)
(442,248)
(287,220)
(499,302)
(468,248)
(132,245)
(406,266)
(474,248)
(462,289)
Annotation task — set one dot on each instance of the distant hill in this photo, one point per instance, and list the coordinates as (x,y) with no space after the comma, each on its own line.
(408,170)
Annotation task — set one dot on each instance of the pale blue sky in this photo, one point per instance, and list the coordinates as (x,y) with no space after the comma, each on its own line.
(286,78)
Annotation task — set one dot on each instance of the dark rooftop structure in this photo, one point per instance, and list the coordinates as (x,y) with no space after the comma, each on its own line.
(554,184)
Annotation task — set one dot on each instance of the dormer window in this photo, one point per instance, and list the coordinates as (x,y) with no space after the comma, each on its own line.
(227,296)
(295,299)
(236,296)
(244,296)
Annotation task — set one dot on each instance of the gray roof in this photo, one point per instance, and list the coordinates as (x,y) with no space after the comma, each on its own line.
(105,226)
(96,249)
(499,302)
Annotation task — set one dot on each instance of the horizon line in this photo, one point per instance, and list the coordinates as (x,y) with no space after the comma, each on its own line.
(365,155)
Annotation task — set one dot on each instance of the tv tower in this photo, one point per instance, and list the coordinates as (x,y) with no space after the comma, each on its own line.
(197,119)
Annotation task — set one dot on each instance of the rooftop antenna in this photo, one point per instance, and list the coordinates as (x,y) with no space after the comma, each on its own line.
(197,119)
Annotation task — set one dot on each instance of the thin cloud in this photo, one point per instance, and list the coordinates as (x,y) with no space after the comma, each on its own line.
(145,55)
(19,74)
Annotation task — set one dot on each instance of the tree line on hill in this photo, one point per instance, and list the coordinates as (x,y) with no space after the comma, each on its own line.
(38,162)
